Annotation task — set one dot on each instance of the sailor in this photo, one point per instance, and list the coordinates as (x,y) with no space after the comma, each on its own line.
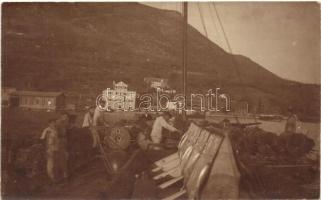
(89,118)
(62,124)
(143,139)
(97,121)
(160,123)
(50,135)
(226,123)
(290,126)
(146,116)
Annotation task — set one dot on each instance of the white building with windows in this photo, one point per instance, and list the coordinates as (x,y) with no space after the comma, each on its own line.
(119,97)
(156,82)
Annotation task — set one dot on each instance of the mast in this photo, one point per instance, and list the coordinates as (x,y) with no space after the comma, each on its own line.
(184,64)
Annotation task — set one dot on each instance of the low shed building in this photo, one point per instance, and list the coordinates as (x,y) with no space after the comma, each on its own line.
(40,100)
(6,94)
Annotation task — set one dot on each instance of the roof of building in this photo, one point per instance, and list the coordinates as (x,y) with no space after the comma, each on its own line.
(37,93)
(153,79)
(121,83)
(5,88)
(8,89)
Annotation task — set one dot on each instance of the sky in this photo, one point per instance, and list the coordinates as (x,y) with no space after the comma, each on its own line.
(282,37)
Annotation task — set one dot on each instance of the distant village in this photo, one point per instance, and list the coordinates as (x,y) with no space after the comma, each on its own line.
(118,97)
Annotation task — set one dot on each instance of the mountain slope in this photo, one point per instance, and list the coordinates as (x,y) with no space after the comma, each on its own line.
(83,47)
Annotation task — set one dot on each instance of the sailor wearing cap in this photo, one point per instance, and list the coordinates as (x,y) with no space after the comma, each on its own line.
(160,123)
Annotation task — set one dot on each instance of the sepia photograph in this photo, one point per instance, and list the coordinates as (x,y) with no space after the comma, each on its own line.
(160,100)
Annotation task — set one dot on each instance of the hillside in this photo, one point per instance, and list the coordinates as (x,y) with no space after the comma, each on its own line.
(83,47)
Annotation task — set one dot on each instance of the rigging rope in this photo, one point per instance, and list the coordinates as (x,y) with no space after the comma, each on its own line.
(235,62)
(202,19)
(177,7)
(214,24)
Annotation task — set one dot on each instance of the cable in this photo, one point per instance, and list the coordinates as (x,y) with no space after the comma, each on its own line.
(179,8)
(202,19)
(235,63)
(214,23)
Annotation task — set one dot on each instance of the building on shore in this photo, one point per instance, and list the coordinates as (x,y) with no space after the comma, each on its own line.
(155,83)
(119,97)
(159,84)
(39,100)
(6,95)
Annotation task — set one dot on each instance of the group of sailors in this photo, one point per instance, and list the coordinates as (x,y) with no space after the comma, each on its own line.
(55,137)
(56,147)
